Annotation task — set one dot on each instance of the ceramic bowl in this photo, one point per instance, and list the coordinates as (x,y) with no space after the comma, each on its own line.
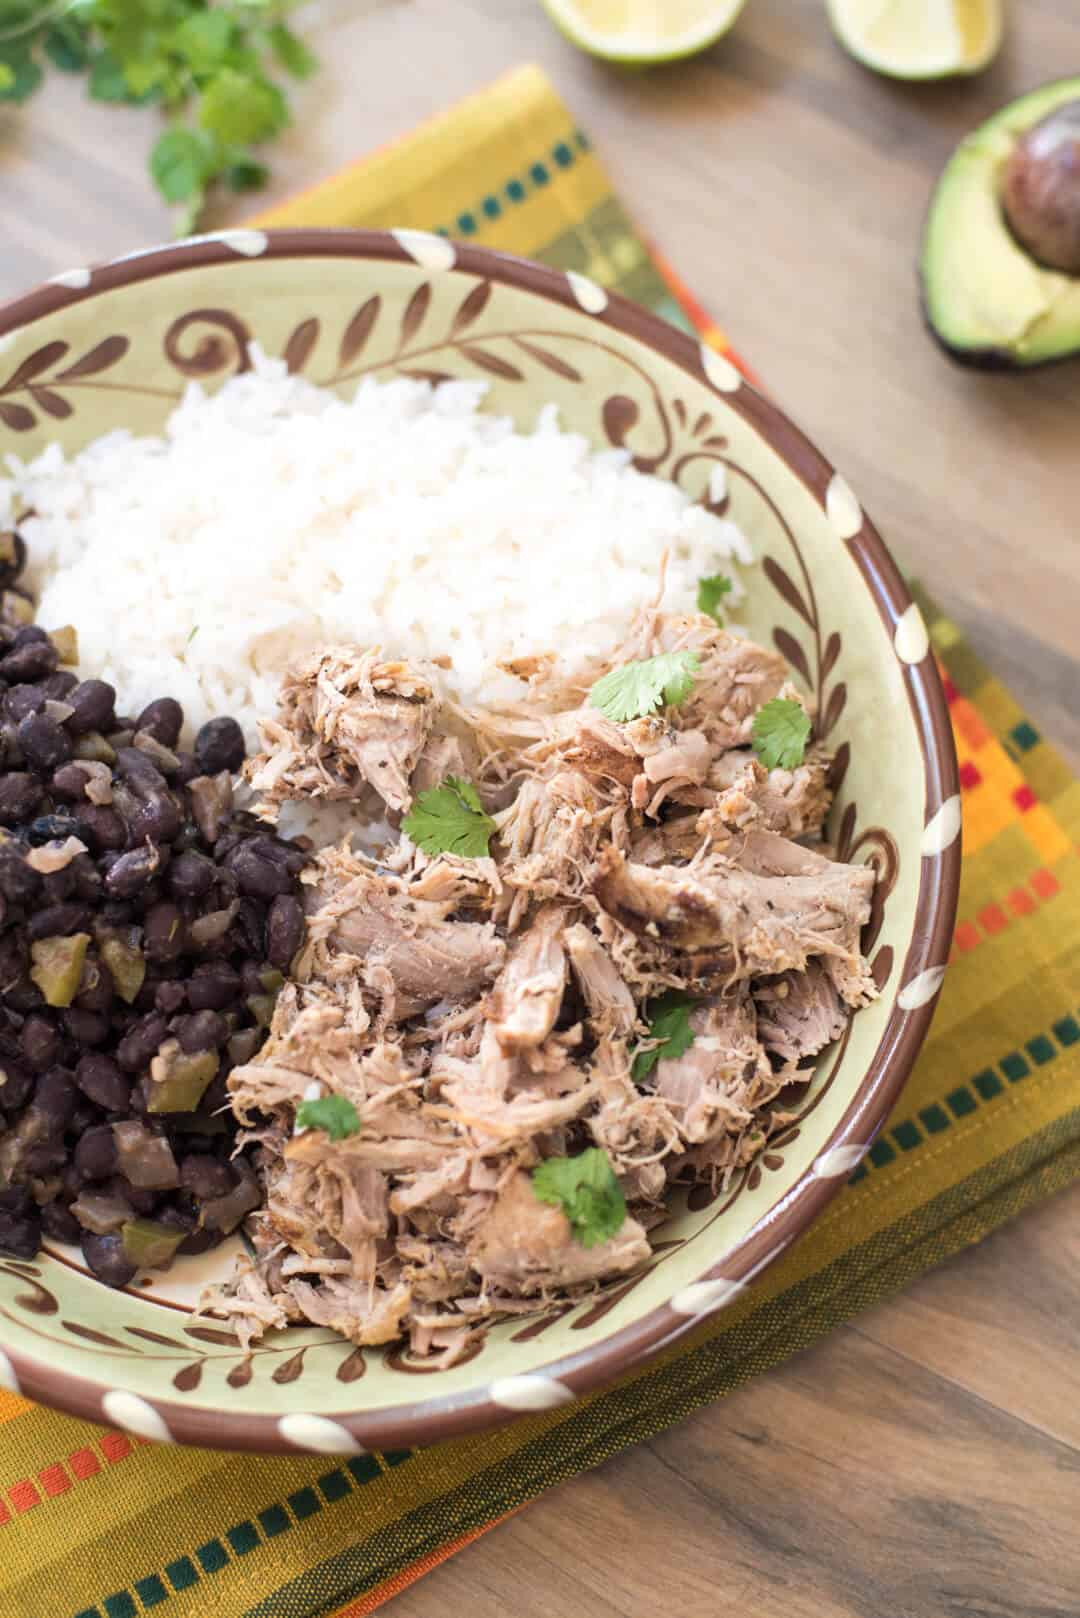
(116,346)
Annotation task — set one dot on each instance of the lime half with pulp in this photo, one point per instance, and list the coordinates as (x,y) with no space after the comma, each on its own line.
(919,39)
(643,31)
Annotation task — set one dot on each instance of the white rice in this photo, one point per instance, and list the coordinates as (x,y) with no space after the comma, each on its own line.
(273,516)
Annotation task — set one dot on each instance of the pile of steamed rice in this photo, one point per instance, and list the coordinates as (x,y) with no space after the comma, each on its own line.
(273,516)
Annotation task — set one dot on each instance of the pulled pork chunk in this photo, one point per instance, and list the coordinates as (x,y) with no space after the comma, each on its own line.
(348,719)
(760,924)
(474,1018)
(528,993)
(524,1247)
(372,918)
(799,1013)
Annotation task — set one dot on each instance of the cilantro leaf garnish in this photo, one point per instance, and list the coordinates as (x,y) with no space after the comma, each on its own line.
(780,733)
(335,1114)
(635,689)
(711,591)
(586,1190)
(450,819)
(669,1025)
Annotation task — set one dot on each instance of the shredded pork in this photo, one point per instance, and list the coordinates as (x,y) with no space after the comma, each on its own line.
(484,1015)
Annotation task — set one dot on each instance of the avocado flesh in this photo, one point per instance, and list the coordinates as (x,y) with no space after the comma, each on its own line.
(986,299)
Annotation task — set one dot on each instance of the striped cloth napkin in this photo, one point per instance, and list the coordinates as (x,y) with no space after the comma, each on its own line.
(94,1524)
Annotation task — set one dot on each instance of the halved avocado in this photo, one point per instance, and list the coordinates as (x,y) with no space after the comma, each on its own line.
(987,300)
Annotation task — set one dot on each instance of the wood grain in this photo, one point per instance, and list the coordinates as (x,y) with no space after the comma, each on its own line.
(924,1463)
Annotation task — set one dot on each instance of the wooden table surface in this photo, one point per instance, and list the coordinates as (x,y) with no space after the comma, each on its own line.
(926,1460)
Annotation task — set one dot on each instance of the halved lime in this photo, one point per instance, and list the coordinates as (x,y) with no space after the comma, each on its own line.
(643,31)
(919,39)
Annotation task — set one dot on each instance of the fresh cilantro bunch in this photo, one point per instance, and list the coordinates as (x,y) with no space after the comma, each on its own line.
(213,68)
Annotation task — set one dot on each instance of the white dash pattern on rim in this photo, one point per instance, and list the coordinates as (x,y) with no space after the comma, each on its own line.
(318,1433)
(592,298)
(77,280)
(135,1415)
(702,1297)
(724,376)
(838,1161)
(431,252)
(942,829)
(910,637)
(8,1380)
(921,989)
(248,243)
(842,508)
(529,1392)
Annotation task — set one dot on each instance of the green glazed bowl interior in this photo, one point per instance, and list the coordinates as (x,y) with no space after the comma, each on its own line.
(116,347)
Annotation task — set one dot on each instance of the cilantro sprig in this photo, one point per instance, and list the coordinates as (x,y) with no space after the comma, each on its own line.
(334,1114)
(780,732)
(586,1190)
(214,71)
(711,591)
(669,1026)
(635,689)
(450,819)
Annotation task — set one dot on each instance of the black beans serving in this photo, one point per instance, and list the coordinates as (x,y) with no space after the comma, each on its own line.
(145,924)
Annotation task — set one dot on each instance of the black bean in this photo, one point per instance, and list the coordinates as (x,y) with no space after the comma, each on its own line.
(96,988)
(20,795)
(94,704)
(59,1225)
(284,930)
(19,882)
(107,1260)
(22,994)
(42,1042)
(131,872)
(20,700)
(87,878)
(20,1234)
(191,875)
(51,829)
(86,1027)
(164,719)
(156,817)
(58,886)
(59,921)
(202,1031)
(55,1097)
(249,930)
(69,782)
(169,998)
(187,768)
(98,1076)
(16,1085)
(95,1153)
(86,1116)
(101,828)
(29,635)
(213,986)
(144,1202)
(141,1042)
(252,974)
(219,746)
(45,744)
(59,686)
(205,1177)
(30,661)
(201,1241)
(164,933)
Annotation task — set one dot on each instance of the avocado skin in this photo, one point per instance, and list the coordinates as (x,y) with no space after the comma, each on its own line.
(969,351)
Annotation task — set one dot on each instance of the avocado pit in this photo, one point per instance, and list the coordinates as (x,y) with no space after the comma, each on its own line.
(1040,192)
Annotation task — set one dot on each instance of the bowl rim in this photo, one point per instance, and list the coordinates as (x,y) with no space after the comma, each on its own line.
(430,1420)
